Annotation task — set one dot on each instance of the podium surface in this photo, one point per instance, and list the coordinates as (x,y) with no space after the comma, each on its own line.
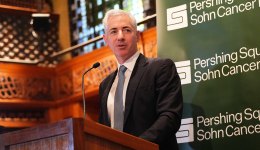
(72,134)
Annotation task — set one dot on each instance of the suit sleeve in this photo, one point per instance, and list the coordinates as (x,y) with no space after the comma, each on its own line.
(169,103)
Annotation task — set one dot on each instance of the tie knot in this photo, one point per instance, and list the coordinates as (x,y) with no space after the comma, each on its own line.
(122,69)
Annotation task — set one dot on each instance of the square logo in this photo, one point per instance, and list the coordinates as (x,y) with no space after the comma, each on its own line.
(184,71)
(186,131)
(177,17)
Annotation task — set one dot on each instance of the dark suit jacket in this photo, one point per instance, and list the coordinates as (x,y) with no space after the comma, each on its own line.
(153,105)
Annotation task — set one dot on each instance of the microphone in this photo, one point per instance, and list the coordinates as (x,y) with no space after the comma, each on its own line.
(95,65)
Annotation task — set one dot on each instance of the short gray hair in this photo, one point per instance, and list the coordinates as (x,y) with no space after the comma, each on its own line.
(115,12)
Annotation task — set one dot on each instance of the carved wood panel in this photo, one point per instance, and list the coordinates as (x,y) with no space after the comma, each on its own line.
(30,88)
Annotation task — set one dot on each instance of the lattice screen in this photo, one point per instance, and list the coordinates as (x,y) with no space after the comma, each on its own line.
(17,42)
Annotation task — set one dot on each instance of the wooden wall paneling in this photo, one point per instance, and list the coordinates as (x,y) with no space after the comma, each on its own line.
(9,8)
(26,82)
(150,42)
(65,111)
(71,101)
(25,94)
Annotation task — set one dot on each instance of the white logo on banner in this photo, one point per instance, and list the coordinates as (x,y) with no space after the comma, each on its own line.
(186,131)
(184,71)
(177,17)
(203,12)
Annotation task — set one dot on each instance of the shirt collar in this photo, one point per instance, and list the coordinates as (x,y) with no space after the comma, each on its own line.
(130,63)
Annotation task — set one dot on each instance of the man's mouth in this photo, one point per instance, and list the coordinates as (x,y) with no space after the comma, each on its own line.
(121,46)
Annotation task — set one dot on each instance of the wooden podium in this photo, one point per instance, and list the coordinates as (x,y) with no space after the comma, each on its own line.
(72,134)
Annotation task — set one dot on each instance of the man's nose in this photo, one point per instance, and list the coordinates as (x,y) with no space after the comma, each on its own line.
(120,35)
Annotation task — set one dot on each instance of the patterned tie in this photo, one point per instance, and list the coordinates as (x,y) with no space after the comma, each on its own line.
(118,102)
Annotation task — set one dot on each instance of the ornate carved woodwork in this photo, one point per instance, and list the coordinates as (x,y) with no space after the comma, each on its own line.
(25,82)
(19,42)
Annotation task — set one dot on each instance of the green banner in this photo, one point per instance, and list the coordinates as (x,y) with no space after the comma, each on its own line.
(216,47)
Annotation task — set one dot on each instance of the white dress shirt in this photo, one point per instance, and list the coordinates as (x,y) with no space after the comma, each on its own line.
(129,64)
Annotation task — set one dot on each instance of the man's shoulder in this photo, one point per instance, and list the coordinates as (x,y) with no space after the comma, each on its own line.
(160,61)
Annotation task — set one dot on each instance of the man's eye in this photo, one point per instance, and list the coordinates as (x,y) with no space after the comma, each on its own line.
(113,32)
(127,30)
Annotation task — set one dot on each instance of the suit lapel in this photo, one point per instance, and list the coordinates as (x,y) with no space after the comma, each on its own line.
(134,83)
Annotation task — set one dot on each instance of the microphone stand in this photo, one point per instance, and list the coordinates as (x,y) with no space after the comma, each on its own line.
(97,64)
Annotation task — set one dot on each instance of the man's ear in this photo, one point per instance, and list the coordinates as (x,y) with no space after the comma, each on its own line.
(105,38)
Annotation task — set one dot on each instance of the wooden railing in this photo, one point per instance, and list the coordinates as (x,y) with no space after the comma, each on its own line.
(31,95)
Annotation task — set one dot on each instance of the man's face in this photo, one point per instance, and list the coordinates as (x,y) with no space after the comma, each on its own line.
(121,37)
